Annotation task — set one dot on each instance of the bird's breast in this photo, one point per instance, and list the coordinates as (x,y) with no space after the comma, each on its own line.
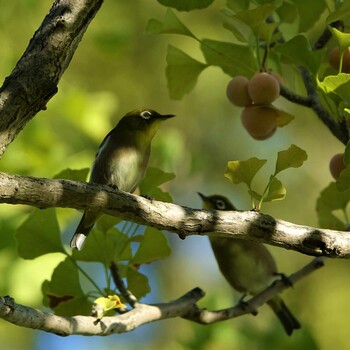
(127,169)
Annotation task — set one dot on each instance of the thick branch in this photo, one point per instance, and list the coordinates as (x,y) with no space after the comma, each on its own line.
(185,307)
(47,193)
(34,80)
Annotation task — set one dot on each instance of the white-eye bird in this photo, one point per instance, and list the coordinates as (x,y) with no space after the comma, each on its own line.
(247,266)
(121,161)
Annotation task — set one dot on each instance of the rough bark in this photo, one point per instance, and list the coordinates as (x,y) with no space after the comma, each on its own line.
(35,78)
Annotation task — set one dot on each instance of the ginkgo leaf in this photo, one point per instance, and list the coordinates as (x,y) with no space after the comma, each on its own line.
(293,157)
(243,171)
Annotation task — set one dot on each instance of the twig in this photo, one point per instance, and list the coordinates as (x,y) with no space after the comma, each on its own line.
(127,295)
(205,316)
(184,307)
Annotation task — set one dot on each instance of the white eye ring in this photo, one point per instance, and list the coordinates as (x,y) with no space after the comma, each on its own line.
(220,204)
(146,114)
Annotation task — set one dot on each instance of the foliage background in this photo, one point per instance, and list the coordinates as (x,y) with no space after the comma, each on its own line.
(117,68)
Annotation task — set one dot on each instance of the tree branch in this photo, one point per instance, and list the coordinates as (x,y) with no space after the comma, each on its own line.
(47,193)
(34,79)
(185,307)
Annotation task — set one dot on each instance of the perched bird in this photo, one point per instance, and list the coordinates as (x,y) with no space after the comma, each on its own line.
(247,266)
(121,161)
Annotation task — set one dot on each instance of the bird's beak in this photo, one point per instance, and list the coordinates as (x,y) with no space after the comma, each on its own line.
(166,116)
(204,198)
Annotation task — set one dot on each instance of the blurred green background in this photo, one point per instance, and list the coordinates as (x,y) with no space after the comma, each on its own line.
(117,68)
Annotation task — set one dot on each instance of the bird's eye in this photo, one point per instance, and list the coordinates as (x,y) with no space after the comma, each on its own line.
(146,114)
(220,204)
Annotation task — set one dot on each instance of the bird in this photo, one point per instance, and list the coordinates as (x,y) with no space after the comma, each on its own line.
(247,266)
(121,161)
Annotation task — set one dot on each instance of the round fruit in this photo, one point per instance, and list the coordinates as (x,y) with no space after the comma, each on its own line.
(278,77)
(334,59)
(237,91)
(263,88)
(337,165)
(260,121)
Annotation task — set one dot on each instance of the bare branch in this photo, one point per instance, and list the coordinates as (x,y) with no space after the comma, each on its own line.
(185,307)
(34,80)
(48,193)
(205,316)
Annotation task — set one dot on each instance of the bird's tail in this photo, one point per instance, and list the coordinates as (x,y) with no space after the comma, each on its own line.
(289,322)
(86,224)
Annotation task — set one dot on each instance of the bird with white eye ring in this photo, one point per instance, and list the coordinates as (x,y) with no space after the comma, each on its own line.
(121,161)
(247,266)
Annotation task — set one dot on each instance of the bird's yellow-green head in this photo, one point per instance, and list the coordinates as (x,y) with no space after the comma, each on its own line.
(146,121)
(216,202)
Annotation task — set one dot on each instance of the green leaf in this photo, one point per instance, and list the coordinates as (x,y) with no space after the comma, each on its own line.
(298,50)
(343,181)
(347,154)
(229,57)
(287,12)
(238,5)
(340,14)
(73,174)
(276,191)
(293,157)
(137,282)
(154,246)
(106,222)
(337,84)
(63,292)
(187,5)
(255,195)
(283,118)
(330,200)
(170,25)
(39,234)
(254,17)
(243,171)
(309,12)
(105,247)
(153,179)
(182,72)
(343,39)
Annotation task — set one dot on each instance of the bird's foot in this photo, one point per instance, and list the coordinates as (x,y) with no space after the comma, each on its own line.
(246,306)
(284,279)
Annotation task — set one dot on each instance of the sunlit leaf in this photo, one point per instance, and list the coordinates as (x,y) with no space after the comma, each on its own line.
(343,39)
(187,5)
(293,157)
(182,72)
(154,246)
(39,234)
(170,25)
(276,191)
(330,200)
(73,174)
(110,303)
(243,171)
(338,84)
(233,59)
